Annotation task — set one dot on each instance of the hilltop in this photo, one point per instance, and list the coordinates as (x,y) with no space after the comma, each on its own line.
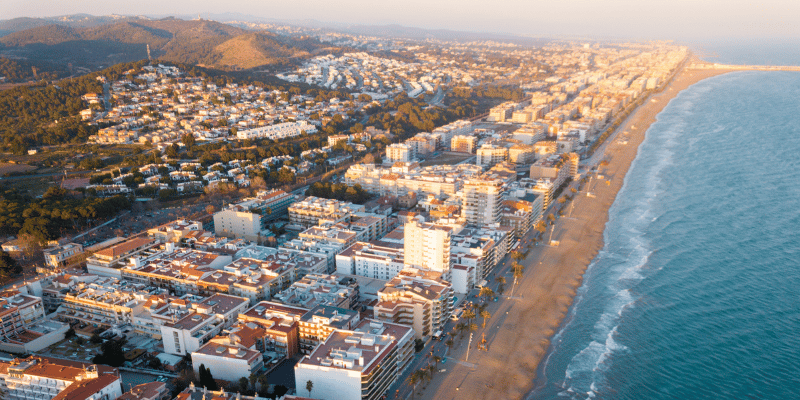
(202,42)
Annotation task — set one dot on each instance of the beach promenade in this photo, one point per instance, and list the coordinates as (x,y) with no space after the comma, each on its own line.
(519,332)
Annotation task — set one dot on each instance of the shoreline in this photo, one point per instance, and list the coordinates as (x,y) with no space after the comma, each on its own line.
(520,331)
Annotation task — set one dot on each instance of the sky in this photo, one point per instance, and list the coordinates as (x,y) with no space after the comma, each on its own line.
(600,19)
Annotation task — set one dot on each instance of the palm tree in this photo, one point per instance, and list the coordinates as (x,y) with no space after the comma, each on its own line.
(486,315)
(449,343)
(436,361)
(461,328)
(309,386)
(431,370)
(414,379)
(501,280)
(517,256)
(468,314)
(486,293)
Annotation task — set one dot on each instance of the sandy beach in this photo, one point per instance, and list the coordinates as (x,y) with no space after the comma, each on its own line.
(521,327)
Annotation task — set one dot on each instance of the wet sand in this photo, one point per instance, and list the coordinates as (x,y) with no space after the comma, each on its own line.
(520,329)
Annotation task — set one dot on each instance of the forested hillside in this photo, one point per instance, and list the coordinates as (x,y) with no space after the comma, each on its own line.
(201,42)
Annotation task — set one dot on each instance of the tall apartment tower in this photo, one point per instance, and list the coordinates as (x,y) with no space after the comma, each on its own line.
(427,246)
(482,201)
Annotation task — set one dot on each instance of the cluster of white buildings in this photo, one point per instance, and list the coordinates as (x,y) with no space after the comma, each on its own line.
(161,104)
(377,76)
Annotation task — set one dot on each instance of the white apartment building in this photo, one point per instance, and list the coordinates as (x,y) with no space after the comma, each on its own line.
(57,257)
(359,364)
(278,131)
(530,134)
(427,246)
(420,299)
(227,361)
(463,144)
(490,154)
(400,152)
(315,210)
(378,260)
(481,201)
(194,324)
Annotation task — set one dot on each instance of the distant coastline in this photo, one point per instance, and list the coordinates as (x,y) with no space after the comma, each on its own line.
(526,325)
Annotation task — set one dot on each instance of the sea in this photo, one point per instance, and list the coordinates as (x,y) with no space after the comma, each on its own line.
(696,293)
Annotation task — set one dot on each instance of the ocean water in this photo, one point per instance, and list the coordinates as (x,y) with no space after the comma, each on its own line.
(696,293)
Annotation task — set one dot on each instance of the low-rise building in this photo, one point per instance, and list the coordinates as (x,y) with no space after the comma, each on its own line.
(316,289)
(59,256)
(227,361)
(194,324)
(48,378)
(314,210)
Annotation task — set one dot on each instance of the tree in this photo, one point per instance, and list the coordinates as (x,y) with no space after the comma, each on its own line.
(414,379)
(253,378)
(309,386)
(517,256)
(468,314)
(461,328)
(206,379)
(8,265)
(486,315)
(112,354)
(501,280)
(188,140)
(486,292)
(263,384)
(449,343)
(244,385)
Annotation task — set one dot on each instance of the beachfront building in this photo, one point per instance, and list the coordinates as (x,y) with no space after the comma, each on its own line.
(427,246)
(418,298)
(552,167)
(250,218)
(521,215)
(518,215)
(44,378)
(482,198)
(359,364)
